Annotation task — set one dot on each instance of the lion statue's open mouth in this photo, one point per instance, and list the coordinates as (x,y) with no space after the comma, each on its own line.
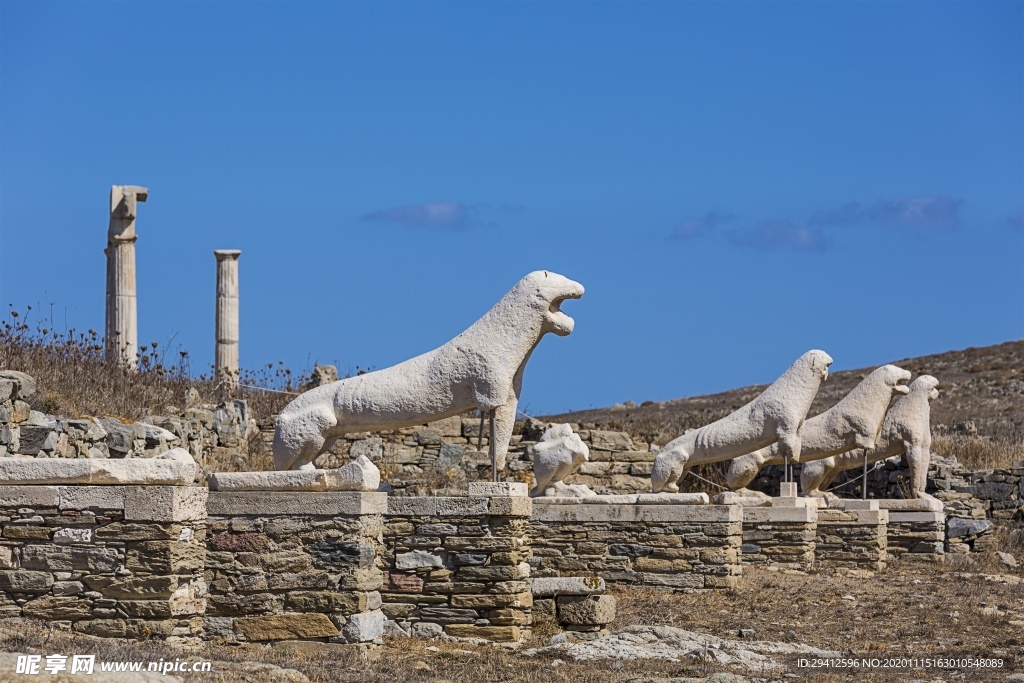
(562,323)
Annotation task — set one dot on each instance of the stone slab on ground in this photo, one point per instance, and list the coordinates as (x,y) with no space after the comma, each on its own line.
(679,645)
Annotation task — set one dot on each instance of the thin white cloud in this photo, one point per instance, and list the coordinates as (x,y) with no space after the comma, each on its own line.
(922,214)
(697,227)
(781,234)
(434,215)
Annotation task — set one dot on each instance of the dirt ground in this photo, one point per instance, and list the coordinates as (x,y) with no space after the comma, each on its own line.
(969,607)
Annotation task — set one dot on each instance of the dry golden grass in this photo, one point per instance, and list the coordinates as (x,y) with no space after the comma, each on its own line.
(74,378)
(978,452)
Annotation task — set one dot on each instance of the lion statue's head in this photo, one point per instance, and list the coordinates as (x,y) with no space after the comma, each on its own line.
(819,362)
(545,291)
(895,378)
(926,383)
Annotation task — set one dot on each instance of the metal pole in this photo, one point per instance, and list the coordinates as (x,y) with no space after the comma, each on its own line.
(493,447)
(864,483)
(480,432)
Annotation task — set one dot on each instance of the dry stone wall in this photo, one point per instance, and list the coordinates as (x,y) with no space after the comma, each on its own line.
(669,547)
(780,536)
(294,566)
(119,561)
(916,535)
(459,566)
(852,538)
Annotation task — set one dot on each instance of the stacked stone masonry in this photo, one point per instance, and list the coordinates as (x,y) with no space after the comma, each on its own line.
(294,566)
(852,538)
(916,535)
(117,561)
(459,566)
(668,547)
(780,536)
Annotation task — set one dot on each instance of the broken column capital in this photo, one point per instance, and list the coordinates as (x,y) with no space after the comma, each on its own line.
(123,200)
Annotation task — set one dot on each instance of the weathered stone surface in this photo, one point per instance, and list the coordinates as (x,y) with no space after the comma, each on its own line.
(133,587)
(323,601)
(52,607)
(22,385)
(359,475)
(320,503)
(165,503)
(958,528)
(568,585)
(908,421)
(175,467)
(92,497)
(286,627)
(497,634)
(674,644)
(342,552)
(364,627)
(855,421)
(610,441)
(672,499)
(518,506)
(22,581)
(72,536)
(637,513)
(497,488)
(69,558)
(559,454)
(419,558)
(29,496)
(586,610)
(405,583)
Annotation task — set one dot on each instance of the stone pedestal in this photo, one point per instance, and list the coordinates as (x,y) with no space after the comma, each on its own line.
(121,332)
(916,529)
(666,546)
(854,536)
(226,357)
(917,535)
(460,566)
(782,535)
(291,565)
(117,561)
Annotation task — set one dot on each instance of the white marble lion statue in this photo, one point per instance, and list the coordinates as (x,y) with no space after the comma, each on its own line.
(481,369)
(557,455)
(854,422)
(907,428)
(776,415)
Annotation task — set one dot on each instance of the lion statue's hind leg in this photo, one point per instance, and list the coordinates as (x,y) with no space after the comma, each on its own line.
(299,439)
(744,469)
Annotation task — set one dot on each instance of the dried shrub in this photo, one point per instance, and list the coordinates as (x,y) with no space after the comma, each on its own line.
(75,378)
(978,452)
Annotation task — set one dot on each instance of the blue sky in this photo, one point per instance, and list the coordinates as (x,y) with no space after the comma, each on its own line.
(734,183)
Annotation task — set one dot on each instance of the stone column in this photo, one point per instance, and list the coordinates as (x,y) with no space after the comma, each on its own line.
(227,315)
(122,328)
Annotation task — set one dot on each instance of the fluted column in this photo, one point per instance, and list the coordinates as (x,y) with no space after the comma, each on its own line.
(122,328)
(227,315)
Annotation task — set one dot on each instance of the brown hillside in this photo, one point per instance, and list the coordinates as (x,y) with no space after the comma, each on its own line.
(982,392)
